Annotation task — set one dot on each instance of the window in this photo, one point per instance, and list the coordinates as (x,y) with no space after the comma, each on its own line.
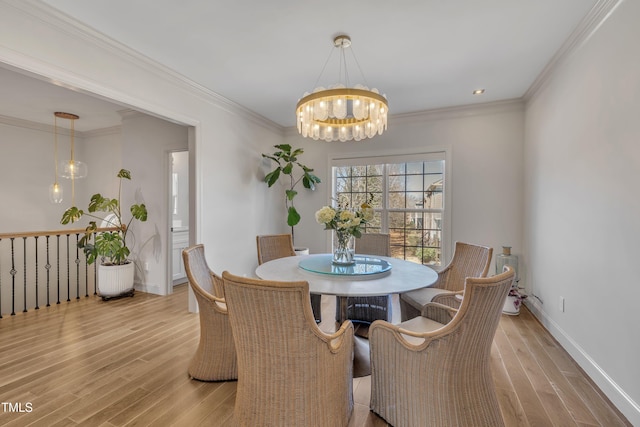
(408,198)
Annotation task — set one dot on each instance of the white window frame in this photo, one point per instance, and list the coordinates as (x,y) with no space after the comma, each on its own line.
(439,153)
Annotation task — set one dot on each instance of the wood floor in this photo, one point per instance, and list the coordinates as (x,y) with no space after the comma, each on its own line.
(123,363)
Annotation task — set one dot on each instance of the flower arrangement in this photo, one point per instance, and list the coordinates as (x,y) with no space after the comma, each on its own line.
(346,223)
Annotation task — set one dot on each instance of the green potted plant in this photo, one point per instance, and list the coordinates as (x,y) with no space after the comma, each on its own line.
(115,269)
(289,165)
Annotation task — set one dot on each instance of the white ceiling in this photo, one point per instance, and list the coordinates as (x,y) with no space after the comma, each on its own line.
(263,55)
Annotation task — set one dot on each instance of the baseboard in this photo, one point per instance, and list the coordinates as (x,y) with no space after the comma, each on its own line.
(150,289)
(621,400)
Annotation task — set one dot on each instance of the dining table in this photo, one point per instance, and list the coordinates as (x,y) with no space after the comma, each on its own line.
(370,275)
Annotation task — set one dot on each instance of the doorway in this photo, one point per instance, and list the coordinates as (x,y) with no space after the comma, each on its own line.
(179,213)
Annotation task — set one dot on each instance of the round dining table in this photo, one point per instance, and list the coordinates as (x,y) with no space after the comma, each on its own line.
(372,275)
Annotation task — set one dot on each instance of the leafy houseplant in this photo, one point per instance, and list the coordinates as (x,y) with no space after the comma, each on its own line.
(110,246)
(115,271)
(288,164)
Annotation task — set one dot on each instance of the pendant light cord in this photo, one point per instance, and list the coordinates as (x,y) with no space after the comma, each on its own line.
(55,152)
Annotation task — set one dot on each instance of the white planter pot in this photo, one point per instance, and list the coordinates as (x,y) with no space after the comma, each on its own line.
(510,307)
(301,251)
(115,280)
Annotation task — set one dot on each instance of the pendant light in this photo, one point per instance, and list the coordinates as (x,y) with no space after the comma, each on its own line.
(55,190)
(72,168)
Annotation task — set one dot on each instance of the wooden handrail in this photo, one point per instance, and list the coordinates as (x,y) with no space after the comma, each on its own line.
(53,232)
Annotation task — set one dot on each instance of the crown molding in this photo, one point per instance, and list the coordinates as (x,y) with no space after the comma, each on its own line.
(112,130)
(585,29)
(468,110)
(41,127)
(28,124)
(66,24)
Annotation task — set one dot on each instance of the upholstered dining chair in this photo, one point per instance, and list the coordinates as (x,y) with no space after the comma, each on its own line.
(215,359)
(425,373)
(368,309)
(290,373)
(274,246)
(468,261)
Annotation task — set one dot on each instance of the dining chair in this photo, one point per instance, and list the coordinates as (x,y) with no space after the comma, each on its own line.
(274,246)
(426,373)
(468,261)
(290,373)
(369,308)
(215,358)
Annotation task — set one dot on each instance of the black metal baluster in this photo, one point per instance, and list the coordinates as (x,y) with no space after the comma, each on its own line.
(24,266)
(37,302)
(95,270)
(68,270)
(77,261)
(13,280)
(58,265)
(95,278)
(86,277)
(48,268)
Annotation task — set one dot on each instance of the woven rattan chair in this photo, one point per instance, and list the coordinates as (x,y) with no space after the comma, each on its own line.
(274,246)
(468,261)
(368,309)
(425,373)
(215,358)
(290,373)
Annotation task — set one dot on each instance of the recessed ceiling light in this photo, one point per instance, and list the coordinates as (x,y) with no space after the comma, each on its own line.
(478,91)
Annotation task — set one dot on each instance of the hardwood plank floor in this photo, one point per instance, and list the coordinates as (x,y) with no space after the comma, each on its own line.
(123,363)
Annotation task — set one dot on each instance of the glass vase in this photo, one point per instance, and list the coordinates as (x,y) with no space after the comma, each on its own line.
(343,248)
(507,258)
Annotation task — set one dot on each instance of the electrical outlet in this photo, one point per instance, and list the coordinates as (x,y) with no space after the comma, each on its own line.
(562,304)
(146,266)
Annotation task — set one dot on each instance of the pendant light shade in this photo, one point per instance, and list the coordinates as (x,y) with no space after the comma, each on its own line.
(56,193)
(72,169)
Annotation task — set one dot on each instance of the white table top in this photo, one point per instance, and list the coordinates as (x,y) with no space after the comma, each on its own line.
(404,276)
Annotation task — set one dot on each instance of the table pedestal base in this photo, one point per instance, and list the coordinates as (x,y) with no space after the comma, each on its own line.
(361,360)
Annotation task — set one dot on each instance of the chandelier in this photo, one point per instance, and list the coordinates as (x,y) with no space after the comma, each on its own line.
(342,113)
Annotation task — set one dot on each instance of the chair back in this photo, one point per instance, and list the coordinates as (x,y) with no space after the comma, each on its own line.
(441,375)
(215,358)
(374,244)
(468,261)
(274,246)
(289,371)
(198,272)
(480,313)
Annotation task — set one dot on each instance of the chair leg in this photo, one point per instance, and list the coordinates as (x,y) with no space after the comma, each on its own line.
(407,311)
(316,306)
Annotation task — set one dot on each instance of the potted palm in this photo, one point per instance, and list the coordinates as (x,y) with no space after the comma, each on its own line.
(115,269)
(288,165)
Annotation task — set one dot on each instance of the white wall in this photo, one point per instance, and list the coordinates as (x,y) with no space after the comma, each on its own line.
(146,146)
(582,172)
(485,145)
